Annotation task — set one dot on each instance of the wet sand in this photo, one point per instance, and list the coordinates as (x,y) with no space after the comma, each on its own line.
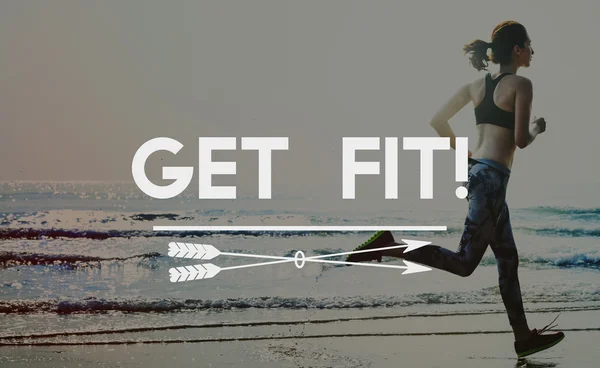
(450,341)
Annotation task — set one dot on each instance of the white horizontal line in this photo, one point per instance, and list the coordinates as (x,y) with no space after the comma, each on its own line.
(299,228)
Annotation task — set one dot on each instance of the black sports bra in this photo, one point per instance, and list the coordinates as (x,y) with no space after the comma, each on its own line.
(487,112)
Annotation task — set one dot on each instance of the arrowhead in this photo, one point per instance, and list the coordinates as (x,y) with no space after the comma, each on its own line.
(414,244)
(414,268)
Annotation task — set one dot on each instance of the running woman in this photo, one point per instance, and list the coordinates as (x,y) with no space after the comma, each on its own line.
(502,111)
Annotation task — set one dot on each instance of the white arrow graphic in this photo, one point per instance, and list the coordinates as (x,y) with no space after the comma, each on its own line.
(207,251)
(209,270)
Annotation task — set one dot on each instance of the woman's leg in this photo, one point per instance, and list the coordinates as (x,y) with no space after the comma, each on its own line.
(487,188)
(504,248)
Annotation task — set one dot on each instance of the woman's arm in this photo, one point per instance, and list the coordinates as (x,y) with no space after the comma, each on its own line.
(439,122)
(526,132)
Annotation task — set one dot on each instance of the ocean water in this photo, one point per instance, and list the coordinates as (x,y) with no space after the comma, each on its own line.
(80,263)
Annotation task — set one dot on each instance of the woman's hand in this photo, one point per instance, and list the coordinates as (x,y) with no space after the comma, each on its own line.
(470,154)
(538,126)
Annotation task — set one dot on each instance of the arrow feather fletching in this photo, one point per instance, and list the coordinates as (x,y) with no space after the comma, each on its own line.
(197,272)
(191,250)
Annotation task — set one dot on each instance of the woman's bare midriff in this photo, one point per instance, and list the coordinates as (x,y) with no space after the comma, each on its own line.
(495,143)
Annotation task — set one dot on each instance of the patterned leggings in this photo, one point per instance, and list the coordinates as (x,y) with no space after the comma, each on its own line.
(487,223)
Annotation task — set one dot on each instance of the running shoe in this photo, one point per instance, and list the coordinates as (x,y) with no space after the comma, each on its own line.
(380,239)
(538,341)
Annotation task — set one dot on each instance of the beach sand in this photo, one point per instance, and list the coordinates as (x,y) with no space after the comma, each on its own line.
(447,341)
(577,350)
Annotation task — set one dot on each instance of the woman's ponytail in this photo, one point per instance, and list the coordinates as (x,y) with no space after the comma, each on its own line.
(478,50)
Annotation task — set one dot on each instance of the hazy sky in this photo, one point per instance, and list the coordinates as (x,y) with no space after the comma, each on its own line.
(83,84)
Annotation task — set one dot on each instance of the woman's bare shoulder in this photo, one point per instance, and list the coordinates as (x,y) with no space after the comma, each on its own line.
(476,87)
(477,83)
(513,81)
(519,80)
